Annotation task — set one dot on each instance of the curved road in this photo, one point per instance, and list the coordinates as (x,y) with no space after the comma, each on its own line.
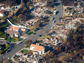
(40,32)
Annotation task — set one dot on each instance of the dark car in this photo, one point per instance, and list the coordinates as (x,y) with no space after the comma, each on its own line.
(34,33)
(8,50)
(40,35)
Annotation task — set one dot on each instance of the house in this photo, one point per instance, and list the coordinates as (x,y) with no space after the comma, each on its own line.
(13,28)
(2,13)
(37,49)
(24,30)
(12,33)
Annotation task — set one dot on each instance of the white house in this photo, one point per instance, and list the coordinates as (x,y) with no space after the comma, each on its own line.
(24,29)
(37,49)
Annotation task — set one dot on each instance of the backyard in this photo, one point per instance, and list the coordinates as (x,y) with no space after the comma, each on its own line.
(30,32)
(26,51)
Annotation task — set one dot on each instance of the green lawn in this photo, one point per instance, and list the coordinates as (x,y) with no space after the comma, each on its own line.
(36,30)
(24,51)
(30,32)
(12,39)
(27,46)
(20,39)
(29,26)
(15,39)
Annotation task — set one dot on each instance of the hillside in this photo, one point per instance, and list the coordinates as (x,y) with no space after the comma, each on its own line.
(69,51)
(10,2)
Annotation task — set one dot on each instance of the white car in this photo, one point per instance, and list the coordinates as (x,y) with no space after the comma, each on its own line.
(54,21)
(18,43)
(52,27)
(52,18)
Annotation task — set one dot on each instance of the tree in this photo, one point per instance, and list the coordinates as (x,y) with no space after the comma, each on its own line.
(6,47)
(13,8)
(50,3)
(5,18)
(70,35)
(1,51)
(77,24)
(21,17)
(27,15)
(41,24)
(28,42)
(4,35)
(67,2)
(36,24)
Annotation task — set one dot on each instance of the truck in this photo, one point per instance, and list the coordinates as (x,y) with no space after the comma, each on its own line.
(18,43)
(55,12)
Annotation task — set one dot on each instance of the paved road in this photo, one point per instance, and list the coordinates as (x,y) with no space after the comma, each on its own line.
(34,37)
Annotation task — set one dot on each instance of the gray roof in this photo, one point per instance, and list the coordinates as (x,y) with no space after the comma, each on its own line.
(10,32)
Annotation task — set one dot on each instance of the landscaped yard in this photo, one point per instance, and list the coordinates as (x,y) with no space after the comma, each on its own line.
(27,46)
(30,32)
(20,39)
(15,39)
(29,26)
(26,51)
(45,36)
(36,30)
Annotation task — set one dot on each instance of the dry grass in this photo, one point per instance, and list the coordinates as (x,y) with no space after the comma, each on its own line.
(45,36)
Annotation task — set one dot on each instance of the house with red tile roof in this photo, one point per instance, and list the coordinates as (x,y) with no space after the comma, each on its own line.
(13,28)
(37,49)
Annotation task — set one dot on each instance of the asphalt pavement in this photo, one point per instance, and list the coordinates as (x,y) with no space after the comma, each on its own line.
(7,56)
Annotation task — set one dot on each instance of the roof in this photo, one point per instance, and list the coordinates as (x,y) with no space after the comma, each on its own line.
(16,28)
(10,32)
(2,11)
(37,47)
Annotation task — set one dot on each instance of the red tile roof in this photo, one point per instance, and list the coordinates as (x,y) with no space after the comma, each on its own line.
(37,47)
(16,28)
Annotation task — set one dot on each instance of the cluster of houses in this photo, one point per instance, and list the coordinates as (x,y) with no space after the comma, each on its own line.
(40,9)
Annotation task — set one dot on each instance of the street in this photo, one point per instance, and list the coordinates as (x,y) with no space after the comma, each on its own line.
(16,48)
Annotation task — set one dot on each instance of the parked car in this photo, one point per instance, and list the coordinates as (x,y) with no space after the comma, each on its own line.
(18,43)
(40,35)
(34,33)
(54,21)
(52,18)
(8,50)
(52,27)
